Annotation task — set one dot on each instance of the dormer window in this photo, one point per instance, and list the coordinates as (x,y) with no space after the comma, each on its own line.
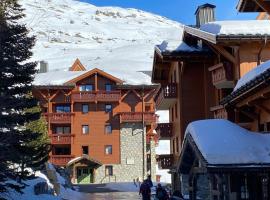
(86,87)
(108,87)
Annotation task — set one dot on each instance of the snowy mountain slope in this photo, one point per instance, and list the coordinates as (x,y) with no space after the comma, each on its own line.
(116,40)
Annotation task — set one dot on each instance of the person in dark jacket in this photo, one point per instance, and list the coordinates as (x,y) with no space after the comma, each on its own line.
(161,193)
(149,181)
(145,190)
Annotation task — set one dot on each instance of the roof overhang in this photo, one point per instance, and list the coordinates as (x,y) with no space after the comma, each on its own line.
(84,158)
(162,61)
(253,6)
(215,39)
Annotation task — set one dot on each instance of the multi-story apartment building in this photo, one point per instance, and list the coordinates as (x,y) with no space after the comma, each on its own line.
(100,128)
(200,71)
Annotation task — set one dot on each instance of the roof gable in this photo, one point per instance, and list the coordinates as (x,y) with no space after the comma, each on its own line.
(77,66)
(94,71)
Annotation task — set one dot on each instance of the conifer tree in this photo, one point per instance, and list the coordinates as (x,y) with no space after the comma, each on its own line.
(17,141)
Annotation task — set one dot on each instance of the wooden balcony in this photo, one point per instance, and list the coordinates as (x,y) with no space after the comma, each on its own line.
(148,117)
(219,112)
(222,75)
(94,96)
(61,138)
(59,118)
(166,96)
(164,131)
(165,161)
(60,160)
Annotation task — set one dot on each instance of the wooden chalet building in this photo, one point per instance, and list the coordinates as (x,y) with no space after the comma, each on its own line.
(100,128)
(199,72)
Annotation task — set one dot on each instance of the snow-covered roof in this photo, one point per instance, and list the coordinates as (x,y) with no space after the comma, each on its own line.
(56,77)
(245,27)
(253,74)
(222,142)
(176,46)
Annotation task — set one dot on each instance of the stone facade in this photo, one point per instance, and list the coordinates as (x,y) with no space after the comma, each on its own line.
(132,137)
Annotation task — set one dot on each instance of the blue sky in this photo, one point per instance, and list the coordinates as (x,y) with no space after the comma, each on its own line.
(179,10)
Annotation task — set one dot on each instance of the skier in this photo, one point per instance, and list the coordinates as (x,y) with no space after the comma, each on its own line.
(149,181)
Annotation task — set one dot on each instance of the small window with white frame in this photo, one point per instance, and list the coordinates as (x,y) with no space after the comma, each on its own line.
(108,149)
(85,129)
(108,129)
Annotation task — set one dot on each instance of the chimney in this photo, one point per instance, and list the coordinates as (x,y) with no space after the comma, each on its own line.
(43,67)
(204,14)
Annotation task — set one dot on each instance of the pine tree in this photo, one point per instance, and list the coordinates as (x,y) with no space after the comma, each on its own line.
(18,142)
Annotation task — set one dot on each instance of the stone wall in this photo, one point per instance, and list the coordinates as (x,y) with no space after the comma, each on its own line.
(131,166)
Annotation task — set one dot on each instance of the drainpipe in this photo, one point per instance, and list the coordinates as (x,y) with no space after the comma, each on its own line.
(260,51)
(143,134)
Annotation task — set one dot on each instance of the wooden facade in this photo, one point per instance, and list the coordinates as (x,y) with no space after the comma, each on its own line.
(204,79)
(85,115)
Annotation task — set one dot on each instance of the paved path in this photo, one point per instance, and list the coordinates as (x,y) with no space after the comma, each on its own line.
(100,192)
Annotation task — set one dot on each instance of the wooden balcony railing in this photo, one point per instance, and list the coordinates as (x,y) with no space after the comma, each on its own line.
(165,161)
(61,160)
(222,75)
(166,96)
(93,96)
(164,131)
(59,118)
(219,112)
(61,138)
(149,117)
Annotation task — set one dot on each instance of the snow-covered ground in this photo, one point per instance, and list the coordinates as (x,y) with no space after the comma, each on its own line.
(28,191)
(117,40)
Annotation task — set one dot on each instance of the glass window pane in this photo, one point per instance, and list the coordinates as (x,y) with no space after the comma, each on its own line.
(108,149)
(108,87)
(85,129)
(88,87)
(85,108)
(108,108)
(59,130)
(108,129)
(67,129)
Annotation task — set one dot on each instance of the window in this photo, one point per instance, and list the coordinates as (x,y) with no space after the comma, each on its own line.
(85,108)
(108,87)
(109,170)
(108,129)
(61,109)
(108,149)
(85,129)
(86,87)
(108,108)
(62,129)
(85,150)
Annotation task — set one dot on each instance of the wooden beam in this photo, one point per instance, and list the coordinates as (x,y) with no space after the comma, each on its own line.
(264,5)
(262,107)
(224,52)
(253,116)
(256,97)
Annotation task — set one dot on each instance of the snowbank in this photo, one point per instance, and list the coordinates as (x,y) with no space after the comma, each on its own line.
(28,191)
(223,142)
